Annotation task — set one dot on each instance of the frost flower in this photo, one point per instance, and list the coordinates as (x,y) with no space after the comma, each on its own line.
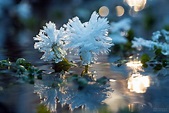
(51,42)
(155,42)
(139,42)
(89,38)
(119,29)
(156,36)
(123,25)
(166,34)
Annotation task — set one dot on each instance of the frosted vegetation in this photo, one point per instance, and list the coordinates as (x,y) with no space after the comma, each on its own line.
(160,40)
(86,40)
(118,31)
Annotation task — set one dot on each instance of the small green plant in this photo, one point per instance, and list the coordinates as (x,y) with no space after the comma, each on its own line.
(160,47)
(22,69)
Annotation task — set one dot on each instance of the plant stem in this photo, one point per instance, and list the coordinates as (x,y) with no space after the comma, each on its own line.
(86,69)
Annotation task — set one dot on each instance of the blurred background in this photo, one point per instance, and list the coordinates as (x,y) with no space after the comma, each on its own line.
(21,20)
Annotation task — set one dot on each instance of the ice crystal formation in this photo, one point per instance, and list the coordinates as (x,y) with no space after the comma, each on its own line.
(88,39)
(160,39)
(85,39)
(119,29)
(51,42)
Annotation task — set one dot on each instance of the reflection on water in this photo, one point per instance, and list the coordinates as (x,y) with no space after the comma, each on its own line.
(138,83)
(135,65)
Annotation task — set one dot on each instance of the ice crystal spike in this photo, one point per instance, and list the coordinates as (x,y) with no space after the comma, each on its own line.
(51,42)
(90,38)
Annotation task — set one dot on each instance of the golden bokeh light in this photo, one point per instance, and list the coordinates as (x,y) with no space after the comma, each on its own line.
(103,11)
(138,83)
(119,10)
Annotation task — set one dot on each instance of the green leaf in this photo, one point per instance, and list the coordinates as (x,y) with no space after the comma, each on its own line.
(64,65)
(5,63)
(158,67)
(144,59)
(166,27)
(21,69)
(102,80)
(22,61)
(39,77)
(158,52)
(82,81)
(42,109)
(164,63)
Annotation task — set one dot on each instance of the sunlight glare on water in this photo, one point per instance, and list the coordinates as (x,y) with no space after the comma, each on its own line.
(138,83)
(134,65)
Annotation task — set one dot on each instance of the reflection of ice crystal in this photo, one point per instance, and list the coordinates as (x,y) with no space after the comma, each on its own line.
(90,95)
(48,96)
(48,91)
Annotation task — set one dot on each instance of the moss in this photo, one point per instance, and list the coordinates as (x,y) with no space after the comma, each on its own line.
(42,109)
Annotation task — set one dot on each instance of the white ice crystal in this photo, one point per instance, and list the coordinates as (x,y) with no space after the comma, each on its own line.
(118,39)
(123,25)
(166,34)
(51,42)
(156,36)
(119,29)
(163,44)
(89,38)
(139,42)
(164,48)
